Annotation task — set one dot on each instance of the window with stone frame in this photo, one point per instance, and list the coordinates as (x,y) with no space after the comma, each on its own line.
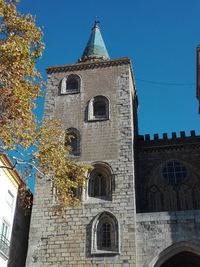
(70,84)
(98,109)
(100,182)
(105,234)
(74,142)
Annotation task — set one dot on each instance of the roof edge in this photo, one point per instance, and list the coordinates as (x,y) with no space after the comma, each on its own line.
(16,176)
(89,65)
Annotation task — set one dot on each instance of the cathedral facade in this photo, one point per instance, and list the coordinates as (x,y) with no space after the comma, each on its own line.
(141,204)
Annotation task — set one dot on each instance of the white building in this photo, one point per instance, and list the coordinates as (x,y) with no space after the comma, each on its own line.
(9,184)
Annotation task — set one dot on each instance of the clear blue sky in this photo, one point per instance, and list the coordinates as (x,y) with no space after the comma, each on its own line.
(160,37)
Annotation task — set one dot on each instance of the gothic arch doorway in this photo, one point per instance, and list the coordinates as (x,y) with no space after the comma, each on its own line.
(183,259)
(180,254)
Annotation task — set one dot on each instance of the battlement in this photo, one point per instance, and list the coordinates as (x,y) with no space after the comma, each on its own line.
(173,140)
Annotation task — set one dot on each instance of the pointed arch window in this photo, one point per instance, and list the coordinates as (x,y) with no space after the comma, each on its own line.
(73,141)
(105,234)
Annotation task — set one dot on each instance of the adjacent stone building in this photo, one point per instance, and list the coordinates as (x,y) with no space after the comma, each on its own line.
(140,206)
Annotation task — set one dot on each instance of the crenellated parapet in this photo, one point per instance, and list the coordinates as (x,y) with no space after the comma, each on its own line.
(145,142)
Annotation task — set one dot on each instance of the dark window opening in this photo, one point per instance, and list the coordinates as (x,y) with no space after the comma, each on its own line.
(100,183)
(97,185)
(183,259)
(99,108)
(72,84)
(73,141)
(174,172)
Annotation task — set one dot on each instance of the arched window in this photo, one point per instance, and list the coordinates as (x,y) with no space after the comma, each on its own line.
(100,182)
(98,108)
(70,84)
(105,234)
(73,140)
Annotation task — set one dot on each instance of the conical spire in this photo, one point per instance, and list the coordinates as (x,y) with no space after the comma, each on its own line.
(95,48)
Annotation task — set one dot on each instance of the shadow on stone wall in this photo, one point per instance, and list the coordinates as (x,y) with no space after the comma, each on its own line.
(19,240)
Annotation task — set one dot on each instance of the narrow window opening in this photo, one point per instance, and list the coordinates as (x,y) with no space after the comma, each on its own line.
(98,186)
(73,142)
(70,84)
(99,108)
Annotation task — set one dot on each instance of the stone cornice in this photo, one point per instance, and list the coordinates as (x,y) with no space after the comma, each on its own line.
(89,65)
(163,148)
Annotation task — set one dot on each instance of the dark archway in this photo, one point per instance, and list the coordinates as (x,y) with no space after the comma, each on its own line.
(179,254)
(183,259)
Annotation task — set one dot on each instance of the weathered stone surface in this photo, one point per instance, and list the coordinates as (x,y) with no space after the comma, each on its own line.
(146,238)
(67,242)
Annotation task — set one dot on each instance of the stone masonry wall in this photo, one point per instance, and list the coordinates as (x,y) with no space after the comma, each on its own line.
(160,230)
(153,191)
(19,241)
(56,241)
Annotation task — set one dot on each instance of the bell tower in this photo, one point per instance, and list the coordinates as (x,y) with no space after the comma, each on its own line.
(96,101)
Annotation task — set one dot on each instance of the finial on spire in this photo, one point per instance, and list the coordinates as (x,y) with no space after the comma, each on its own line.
(96,22)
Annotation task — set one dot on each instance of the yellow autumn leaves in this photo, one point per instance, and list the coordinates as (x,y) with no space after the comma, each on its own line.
(20,85)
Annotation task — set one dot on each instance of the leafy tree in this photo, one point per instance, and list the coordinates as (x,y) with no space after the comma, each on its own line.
(30,143)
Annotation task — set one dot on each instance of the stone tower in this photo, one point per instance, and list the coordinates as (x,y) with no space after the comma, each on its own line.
(96,101)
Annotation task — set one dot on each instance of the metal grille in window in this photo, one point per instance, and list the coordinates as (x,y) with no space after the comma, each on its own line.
(72,84)
(106,236)
(174,172)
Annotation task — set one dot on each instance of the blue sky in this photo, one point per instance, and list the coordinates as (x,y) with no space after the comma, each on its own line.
(160,37)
